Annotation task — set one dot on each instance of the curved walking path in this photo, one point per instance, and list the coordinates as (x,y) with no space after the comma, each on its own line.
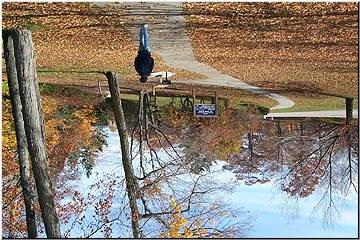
(168,38)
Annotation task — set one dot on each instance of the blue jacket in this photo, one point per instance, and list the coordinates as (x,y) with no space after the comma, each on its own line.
(144,63)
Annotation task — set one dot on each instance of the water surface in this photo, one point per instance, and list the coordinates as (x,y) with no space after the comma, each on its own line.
(264,179)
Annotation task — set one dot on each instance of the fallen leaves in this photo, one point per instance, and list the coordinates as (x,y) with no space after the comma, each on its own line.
(82,37)
(279,45)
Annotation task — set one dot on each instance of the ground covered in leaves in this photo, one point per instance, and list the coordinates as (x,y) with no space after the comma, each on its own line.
(302,47)
(74,40)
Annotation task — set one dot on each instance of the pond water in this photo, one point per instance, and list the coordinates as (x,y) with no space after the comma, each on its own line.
(296,185)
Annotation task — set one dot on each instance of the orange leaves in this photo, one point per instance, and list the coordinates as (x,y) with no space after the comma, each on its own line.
(9,163)
(67,129)
(77,36)
(180,227)
(221,136)
(151,189)
(279,45)
(177,223)
(11,198)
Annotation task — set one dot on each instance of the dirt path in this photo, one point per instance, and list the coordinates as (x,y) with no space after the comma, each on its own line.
(168,38)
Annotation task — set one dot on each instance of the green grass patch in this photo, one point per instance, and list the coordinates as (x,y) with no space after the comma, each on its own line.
(262,102)
(5,88)
(237,103)
(316,103)
(160,101)
(77,73)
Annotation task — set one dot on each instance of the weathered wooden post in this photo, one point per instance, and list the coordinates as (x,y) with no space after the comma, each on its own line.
(349,110)
(34,128)
(21,143)
(131,184)
(226,103)
(216,99)
(99,88)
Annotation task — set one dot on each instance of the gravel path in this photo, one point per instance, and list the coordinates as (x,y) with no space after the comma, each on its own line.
(168,39)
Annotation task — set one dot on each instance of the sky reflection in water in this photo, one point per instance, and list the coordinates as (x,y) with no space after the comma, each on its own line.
(270,211)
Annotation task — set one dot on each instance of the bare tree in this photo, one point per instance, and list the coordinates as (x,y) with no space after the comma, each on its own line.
(328,157)
(161,173)
(131,184)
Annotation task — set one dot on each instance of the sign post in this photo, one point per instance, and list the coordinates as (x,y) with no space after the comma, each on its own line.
(205,110)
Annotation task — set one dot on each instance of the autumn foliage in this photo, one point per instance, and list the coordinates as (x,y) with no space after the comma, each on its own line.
(219,138)
(66,132)
(180,227)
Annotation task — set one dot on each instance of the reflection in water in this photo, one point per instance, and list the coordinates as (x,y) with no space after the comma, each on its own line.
(100,206)
(299,156)
(191,173)
(302,156)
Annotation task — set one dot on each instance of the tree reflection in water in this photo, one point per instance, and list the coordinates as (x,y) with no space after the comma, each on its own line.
(304,156)
(174,197)
(300,156)
(181,190)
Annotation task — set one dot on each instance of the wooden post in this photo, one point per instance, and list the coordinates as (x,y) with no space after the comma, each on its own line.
(131,184)
(99,88)
(34,128)
(193,97)
(349,110)
(226,103)
(216,104)
(21,143)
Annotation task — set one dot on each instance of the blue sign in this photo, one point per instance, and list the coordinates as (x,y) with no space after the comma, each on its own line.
(205,110)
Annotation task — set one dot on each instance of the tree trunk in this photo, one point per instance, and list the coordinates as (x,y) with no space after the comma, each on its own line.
(141,126)
(349,111)
(22,148)
(34,128)
(250,142)
(279,132)
(131,184)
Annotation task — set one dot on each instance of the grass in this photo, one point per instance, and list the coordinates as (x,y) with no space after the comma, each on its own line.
(261,101)
(303,103)
(161,101)
(316,103)
(236,103)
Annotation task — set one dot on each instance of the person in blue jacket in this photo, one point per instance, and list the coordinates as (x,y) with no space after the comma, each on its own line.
(144,63)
